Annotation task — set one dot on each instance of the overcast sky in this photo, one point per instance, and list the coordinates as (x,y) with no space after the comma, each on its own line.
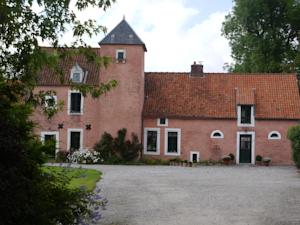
(176,32)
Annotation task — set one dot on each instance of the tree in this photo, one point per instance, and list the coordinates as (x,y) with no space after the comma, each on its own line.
(30,196)
(264,35)
(294,136)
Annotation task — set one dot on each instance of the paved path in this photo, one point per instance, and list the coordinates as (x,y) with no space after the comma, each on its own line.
(167,195)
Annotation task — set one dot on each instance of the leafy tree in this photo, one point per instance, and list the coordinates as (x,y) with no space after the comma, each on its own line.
(28,195)
(264,35)
(294,135)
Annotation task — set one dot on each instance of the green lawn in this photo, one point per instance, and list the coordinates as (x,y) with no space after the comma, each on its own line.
(79,177)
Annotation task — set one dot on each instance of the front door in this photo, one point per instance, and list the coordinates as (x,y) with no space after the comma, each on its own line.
(245,148)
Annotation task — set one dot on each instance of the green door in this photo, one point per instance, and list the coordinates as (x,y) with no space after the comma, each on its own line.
(245,148)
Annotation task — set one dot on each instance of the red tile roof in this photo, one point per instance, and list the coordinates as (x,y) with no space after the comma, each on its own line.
(47,77)
(276,96)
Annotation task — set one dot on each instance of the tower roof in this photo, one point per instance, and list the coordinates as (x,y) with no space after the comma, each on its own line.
(122,34)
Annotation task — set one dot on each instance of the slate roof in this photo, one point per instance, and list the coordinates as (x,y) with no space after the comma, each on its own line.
(216,95)
(122,34)
(48,77)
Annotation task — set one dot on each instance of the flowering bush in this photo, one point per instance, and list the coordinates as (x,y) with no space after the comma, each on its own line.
(96,205)
(85,157)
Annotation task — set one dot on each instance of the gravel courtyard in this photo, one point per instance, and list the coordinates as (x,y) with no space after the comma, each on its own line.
(167,195)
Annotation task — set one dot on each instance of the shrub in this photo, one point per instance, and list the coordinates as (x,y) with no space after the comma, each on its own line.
(258,158)
(294,135)
(105,147)
(85,157)
(232,157)
(129,150)
(62,156)
(117,150)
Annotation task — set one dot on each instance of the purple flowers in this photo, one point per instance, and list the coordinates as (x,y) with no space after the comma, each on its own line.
(96,205)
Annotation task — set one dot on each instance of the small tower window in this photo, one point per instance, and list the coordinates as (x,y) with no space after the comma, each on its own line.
(162,122)
(120,56)
(217,134)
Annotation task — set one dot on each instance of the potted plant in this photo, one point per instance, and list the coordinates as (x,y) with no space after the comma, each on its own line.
(258,160)
(184,163)
(232,157)
(266,161)
(226,159)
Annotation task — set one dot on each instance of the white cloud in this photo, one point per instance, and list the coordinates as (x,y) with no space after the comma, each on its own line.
(173,37)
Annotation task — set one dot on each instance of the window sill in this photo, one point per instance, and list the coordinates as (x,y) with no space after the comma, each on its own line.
(172,154)
(151,153)
(75,114)
(246,125)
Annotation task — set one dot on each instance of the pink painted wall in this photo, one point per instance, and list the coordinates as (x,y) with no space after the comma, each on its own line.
(90,106)
(119,108)
(122,107)
(195,136)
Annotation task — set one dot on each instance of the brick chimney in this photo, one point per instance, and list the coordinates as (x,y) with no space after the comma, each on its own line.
(197,70)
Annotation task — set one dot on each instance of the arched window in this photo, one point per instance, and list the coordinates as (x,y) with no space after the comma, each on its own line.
(274,135)
(217,134)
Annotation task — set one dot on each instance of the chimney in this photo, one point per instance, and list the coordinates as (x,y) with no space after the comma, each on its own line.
(197,70)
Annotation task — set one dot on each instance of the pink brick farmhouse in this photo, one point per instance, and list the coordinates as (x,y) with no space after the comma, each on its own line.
(194,115)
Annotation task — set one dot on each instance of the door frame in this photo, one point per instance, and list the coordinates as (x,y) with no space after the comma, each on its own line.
(191,156)
(239,133)
(55,133)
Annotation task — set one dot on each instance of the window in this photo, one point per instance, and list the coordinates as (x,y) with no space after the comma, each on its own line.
(194,157)
(76,74)
(274,135)
(120,56)
(76,78)
(51,138)
(245,116)
(75,103)
(50,101)
(172,141)
(162,122)
(151,141)
(75,139)
(217,134)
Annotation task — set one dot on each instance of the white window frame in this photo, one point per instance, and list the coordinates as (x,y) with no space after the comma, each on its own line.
(178,130)
(162,125)
(217,137)
(239,112)
(274,138)
(124,54)
(157,141)
(69,137)
(76,69)
(191,156)
(69,103)
(56,133)
(252,133)
(47,97)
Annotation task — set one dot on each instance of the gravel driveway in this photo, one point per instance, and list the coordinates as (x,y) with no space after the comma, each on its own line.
(167,195)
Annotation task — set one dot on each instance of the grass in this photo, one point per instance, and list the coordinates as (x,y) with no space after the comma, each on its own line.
(86,178)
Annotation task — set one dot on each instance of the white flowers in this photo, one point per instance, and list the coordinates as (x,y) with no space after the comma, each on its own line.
(85,157)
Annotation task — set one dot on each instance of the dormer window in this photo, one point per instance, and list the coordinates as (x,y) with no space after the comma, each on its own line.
(76,74)
(245,115)
(120,56)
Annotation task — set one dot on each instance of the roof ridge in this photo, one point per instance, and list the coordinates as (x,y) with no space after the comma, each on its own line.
(227,74)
